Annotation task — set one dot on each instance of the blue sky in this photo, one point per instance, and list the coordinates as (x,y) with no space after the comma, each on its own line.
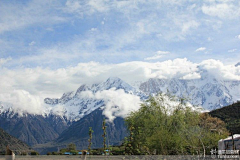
(59,33)
(48,47)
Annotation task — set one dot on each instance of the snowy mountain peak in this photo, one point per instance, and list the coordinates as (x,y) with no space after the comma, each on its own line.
(66,97)
(208,92)
(114,82)
(75,105)
(83,88)
(51,101)
(114,79)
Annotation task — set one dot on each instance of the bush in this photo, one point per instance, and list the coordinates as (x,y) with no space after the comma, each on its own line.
(49,153)
(23,154)
(55,153)
(34,153)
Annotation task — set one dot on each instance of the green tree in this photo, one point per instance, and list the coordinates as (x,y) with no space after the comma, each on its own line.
(172,128)
(104,136)
(90,139)
(72,147)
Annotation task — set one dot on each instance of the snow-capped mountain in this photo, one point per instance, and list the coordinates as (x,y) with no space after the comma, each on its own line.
(32,129)
(209,93)
(76,105)
(114,98)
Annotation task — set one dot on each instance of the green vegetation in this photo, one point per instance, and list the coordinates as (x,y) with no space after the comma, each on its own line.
(165,128)
(230,115)
(156,130)
(34,153)
(90,139)
(70,148)
(104,136)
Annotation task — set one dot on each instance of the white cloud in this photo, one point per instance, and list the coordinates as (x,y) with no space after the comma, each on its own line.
(219,70)
(238,36)
(24,102)
(232,50)
(209,39)
(30,14)
(159,54)
(189,25)
(200,49)
(162,52)
(153,57)
(193,75)
(117,102)
(88,7)
(27,87)
(222,10)
(218,1)
(32,43)
(4,60)
(73,6)
(93,29)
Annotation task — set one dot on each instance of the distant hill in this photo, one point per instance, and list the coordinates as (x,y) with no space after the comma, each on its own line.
(230,115)
(12,142)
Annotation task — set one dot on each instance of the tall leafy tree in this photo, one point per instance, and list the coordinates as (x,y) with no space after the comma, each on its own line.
(104,136)
(172,128)
(90,132)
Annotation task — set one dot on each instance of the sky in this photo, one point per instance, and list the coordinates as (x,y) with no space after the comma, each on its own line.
(48,47)
(60,33)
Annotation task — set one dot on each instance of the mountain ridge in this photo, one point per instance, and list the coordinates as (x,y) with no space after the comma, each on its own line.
(74,106)
(12,142)
(208,93)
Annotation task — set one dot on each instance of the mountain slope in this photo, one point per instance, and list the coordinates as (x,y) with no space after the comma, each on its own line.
(12,142)
(78,131)
(230,115)
(32,129)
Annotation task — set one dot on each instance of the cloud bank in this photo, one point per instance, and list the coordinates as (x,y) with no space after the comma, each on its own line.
(117,102)
(26,88)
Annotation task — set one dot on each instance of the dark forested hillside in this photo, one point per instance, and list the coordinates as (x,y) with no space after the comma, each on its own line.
(33,129)
(230,115)
(12,142)
(78,131)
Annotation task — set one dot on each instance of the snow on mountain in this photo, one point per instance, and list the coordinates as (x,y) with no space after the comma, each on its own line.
(207,92)
(113,94)
(238,64)
(118,98)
